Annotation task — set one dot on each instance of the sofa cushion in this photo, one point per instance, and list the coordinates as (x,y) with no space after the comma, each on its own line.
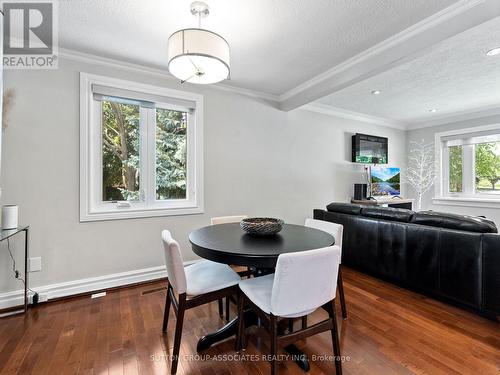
(388,213)
(454,221)
(344,208)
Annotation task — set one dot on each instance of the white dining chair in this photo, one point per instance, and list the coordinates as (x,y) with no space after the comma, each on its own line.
(303,281)
(195,285)
(225,220)
(337,231)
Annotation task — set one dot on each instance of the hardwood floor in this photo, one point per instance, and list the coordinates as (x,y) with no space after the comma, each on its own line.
(389,331)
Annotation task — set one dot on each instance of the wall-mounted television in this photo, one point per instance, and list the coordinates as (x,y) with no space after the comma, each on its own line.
(369,149)
(385,181)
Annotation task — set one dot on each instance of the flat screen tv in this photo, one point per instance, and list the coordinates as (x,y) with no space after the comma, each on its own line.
(369,149)
(385,181)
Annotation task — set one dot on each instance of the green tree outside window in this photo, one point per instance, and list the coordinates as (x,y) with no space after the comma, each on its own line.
(487,157)
(455,170)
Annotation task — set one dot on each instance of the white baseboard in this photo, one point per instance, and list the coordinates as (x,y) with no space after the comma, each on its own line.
(71,288)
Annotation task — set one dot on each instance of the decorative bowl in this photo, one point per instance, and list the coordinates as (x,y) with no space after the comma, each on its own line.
(261,226)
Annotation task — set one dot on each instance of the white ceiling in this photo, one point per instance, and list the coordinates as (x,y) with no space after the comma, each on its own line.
(454,76)
(276,45)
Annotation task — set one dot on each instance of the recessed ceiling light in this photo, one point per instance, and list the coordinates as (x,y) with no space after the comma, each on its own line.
(432,110)
(493,52)
(376,92)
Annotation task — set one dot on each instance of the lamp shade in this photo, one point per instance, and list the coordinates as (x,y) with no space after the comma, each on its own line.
(198,56)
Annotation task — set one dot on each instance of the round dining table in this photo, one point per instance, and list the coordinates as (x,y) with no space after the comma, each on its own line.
(229,244)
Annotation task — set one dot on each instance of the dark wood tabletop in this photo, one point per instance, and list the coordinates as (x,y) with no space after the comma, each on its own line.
(229,244)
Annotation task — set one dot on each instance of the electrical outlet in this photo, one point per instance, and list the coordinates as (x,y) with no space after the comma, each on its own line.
(35,264)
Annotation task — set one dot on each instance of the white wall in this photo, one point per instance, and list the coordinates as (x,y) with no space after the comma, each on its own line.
(427,134)
(258,161)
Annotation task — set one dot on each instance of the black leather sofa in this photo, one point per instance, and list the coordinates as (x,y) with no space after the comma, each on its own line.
(451,257)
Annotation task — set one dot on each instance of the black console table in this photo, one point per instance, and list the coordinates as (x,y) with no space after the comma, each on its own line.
(4,235)
(391,202)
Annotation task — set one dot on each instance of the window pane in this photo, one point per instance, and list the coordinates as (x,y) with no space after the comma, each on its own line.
(488,167)
(171,155)
(455,153)
(120,150)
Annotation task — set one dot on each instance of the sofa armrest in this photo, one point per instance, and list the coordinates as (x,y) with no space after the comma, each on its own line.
(491,273)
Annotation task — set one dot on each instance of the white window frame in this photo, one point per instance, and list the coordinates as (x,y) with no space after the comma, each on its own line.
(91,206)
(468,196)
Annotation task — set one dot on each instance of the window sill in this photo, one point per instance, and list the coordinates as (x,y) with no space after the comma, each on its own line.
(467,202)
(137,214)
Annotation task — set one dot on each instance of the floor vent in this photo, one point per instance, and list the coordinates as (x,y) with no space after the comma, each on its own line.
(156,290)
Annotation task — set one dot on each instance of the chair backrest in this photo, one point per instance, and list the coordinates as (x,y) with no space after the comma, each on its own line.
(227,219)
(336,230)
(175,265)
(304,280)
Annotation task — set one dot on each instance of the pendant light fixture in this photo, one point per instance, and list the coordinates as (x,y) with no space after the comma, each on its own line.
(196,55)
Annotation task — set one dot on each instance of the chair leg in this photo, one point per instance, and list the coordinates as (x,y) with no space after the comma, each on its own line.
(304,322)
(178,332)
(221,309)
(340,285)
(240,336)
(227,308)
(273,325)
(167,310)
(335,339)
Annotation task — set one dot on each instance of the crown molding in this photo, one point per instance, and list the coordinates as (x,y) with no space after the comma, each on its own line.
(247,92)
(76,56)
(394,51)
(474,114)
(452,118)
(356,116)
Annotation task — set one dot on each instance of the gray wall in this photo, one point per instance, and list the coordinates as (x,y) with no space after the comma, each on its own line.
(258,161)
(428,135)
